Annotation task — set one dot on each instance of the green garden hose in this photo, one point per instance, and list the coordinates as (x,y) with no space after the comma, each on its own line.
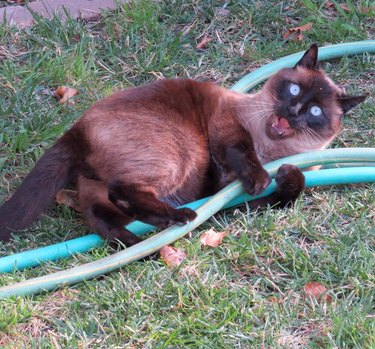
(251,80)
(209,208)
(215,203)
(31,258)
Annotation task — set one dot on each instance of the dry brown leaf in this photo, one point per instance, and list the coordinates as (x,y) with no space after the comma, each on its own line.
(329,4)
(289,20)
(76,38)
(64,93)
(292,339)
(212,238)
(367,9)
(221,12)
(68,198)
(315,290)
(172,256)
(296,32)
(204,42)
(274,300)
(345,7)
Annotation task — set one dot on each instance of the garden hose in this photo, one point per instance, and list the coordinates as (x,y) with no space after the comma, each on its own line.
(332,158)
(204,212)
(251,80)
(222,199)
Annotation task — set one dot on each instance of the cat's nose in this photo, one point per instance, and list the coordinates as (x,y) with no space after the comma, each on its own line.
(294,109)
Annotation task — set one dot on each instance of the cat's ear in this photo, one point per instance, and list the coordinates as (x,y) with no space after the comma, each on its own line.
(348,102)
(310,58)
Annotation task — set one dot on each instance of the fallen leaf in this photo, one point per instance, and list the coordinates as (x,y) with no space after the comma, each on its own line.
(204,42)
(292,339)
(296,32)
(329,4)
(368,9)
(64,93)
(68,198)
(221,12)
(345,7)
(172,256)
(212,238)
(76,38)
(291,21)
(315,290)
(274,300)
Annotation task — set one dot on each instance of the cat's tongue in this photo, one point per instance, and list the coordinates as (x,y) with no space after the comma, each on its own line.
(280,125)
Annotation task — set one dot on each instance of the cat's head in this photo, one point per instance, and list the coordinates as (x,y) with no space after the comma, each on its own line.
(305,101)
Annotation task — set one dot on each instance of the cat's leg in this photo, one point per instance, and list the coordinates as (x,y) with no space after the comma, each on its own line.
(144,203)
(109,223)
(244,161)
(290,184)
(234,151)
(101,215)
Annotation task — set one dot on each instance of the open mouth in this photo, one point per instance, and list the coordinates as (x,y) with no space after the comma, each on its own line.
(279,127)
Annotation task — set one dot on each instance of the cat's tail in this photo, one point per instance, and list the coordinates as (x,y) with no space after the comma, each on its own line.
(54,170)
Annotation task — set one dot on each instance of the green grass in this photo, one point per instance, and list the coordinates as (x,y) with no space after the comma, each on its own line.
(248,292)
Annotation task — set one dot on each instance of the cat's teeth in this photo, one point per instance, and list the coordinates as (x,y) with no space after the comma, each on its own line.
(280,125)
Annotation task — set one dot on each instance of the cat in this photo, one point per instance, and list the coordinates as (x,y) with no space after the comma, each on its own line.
(140,152)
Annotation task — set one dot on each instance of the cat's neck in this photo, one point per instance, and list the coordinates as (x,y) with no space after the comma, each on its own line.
(253,111)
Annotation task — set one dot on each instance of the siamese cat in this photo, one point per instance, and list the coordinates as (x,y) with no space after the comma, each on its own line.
(140,152)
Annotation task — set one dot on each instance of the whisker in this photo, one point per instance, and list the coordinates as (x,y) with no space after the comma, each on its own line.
(273,96)
(307,139)
(253,105)
(259,102)
(318,137)
(317,134)
(257,118)
(261,112)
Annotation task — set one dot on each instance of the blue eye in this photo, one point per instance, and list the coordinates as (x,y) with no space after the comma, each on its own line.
(294,89)
(315,110)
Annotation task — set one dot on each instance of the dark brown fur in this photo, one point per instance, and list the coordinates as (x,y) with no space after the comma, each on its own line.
(138,153)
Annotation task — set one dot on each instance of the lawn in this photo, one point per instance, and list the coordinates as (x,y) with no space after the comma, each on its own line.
(249,291)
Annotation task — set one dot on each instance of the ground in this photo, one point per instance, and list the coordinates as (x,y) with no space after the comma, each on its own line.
(249,291)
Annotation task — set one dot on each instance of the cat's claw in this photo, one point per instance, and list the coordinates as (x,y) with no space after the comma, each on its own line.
(257,182)
(184,215)
(178,216)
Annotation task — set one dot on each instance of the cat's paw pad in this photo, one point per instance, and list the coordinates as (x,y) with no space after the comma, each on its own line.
(289,178)
(257,182)
(184,215)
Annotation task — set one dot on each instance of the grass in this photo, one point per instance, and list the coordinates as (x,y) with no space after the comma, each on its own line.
(248,292)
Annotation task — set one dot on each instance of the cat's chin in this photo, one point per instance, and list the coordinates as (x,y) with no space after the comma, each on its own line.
(278,127)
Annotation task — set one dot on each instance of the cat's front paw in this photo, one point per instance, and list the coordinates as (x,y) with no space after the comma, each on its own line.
(184,215)
(290,181)
(257,182)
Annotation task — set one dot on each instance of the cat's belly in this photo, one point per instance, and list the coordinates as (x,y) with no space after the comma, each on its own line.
(160,156)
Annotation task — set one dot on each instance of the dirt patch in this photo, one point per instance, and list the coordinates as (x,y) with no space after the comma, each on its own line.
(5,3)
(14,13)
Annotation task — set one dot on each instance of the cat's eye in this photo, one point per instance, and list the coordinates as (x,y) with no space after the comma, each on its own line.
(315,110)
(294,89)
